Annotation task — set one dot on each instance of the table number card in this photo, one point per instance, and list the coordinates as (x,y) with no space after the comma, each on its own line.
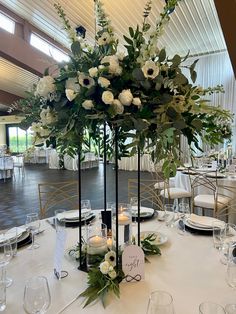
(59,253)
(133,263)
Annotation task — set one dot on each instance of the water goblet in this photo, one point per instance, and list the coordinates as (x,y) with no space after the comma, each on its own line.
(170,215)
(5,257)
(219,233)
(32,224)
(183,215)
(211,308)
(37,298)
(230,309)
(160,302)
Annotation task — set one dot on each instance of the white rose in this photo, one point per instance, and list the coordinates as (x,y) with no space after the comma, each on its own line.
(112,274)
(70,94)
(47,116)
(36,127)
(104,267)
(45,86)
(88,104)
(119,108)
(114,66)
(93,72)
(101,67)
(126,97)
(72,83)
(103,82)
(107,97)
(136,101)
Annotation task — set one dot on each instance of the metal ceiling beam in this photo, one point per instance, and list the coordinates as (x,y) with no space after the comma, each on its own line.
(227,15)
(7,98)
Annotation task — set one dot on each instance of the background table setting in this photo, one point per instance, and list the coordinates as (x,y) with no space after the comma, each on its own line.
(189,268)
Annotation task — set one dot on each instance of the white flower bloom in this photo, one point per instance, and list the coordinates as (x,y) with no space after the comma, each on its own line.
(101,67)
(104,39)
(126,97)
(120,55)
(114,66)
(36,127)
(44,132)
(86,81)
(93,72)
(104,267)
(48,116)
(107,97)
(136,101)
(70,94)
(45,86)
(103,82)
(150,69)
(119,108)
(88,104)
(112,274)
(72,83)
(111,257)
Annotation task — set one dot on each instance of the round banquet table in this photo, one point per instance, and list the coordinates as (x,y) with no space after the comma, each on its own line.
(189,269)
(131,163)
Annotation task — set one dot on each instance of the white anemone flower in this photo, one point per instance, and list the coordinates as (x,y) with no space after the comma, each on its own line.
(86,81)
(150,69)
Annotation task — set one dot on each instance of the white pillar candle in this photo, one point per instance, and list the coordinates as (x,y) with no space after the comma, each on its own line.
(97,245)
(109,243)
(123,219)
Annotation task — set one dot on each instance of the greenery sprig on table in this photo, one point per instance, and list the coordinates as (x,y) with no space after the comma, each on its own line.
(136,89)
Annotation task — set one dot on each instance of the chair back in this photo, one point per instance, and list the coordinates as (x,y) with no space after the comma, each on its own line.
(57,195)
(149,196)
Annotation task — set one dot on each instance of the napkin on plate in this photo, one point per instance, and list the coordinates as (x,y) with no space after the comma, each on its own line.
(202,221)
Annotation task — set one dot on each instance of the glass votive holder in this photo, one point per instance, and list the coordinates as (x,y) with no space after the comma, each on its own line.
(124,224)
(169,215)
(230,309)
(211,308)
(219,234)
(160,302)
(96,244)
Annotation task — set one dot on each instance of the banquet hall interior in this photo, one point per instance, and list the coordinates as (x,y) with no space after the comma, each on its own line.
(177,191)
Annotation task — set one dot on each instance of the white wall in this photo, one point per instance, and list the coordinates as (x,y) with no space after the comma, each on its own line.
(2,134)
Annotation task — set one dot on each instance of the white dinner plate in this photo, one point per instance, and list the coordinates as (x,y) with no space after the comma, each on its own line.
(11,233)
(161,238)
(73,215)
(218,176)
(145,212)
(197,226)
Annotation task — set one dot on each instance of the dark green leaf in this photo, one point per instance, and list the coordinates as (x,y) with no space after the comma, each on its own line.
(162,55)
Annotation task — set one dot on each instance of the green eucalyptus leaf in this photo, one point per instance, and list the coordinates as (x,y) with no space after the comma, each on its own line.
(138,74)
(128,40)
(162,55)
(131,31)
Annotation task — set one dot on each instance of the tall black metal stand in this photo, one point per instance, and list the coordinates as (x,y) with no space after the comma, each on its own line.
(105,166)
(80,218)
(116,196)
(138,196)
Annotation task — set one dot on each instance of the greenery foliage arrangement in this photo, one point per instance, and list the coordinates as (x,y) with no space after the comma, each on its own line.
(136,89)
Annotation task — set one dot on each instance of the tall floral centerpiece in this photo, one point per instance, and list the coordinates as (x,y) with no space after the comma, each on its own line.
(137,90)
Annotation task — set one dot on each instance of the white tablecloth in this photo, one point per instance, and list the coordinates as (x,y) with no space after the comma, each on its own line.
(189,269)
(6,166)
(131,163)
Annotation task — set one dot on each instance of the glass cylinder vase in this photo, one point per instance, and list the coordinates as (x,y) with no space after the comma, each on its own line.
(124,224)
(96,244)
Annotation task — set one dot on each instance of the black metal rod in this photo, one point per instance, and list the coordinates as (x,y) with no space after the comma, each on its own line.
(80,218)
(105,166)
(138,196)
(116,196)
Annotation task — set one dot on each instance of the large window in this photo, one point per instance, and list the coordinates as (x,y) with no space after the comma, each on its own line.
(18,139)
(48,49)
(7,24)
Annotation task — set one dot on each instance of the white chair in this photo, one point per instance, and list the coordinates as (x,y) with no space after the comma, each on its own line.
(19,163)
(6,167)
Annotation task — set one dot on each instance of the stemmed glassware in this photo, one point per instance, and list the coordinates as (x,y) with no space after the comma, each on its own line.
(32,224)
(231,267)
(37,298)
(183,215)
(5,257)
(85,208)
(160,302)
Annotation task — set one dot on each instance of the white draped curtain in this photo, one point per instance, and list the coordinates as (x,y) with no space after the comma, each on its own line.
(213,70)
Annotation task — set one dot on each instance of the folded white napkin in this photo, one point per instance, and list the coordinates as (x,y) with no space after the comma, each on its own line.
(73,214)
(12,233)
(202,221)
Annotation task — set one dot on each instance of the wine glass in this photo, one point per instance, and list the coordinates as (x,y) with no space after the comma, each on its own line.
(160,302)
(32,224)
(183,215)
(85,209)
(37,298)
(5,257)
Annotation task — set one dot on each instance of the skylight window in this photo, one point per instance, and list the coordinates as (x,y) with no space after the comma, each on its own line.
(7,24)
(48,49)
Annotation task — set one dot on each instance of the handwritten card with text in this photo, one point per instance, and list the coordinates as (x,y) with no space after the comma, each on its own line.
(133,263)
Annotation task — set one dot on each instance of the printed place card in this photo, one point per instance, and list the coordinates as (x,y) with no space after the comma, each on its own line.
(59,252)
(133,263)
